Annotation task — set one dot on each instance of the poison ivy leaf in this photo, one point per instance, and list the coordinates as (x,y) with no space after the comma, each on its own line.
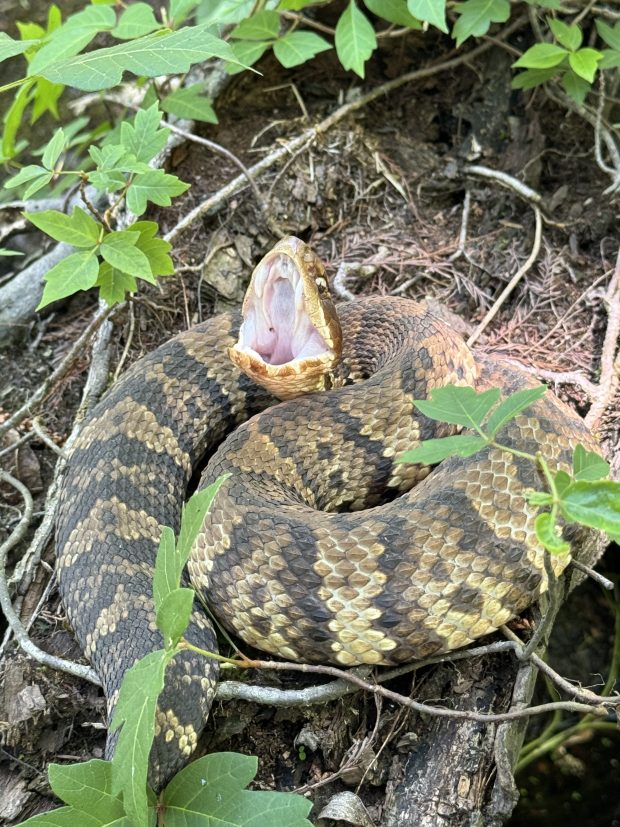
(512,406)
(88,788)
(568,36)
(430,11)
(53,149)
(78,229)
(144,138)
(120,251)
(136,21)
(432,451)
(189,102)
(135,714)
(355,39)
(113,284)
(10,47)
(193,515)
(548,536)
(588,465)
(211,791)
(68,40)
(296,48)
(75,272)
(541,56)
(155,54)
(155,249)
(609,34)
(476,16)
(593,503)
(265,25)
(173,615)
(156,186)
(577,88)
(394,11)
(584,63)
(533,77)
(458,405)
(247,53)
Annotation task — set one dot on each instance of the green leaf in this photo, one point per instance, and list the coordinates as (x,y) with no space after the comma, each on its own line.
(562,480)
(135,714)
(120,251)
(65,817)
(168,568)
(136,21)
(25,174)
(548,535)
(588,465)
(152,55)
(568,36)
(247,53)
(211,791)
(189,102)
(155,249)
(144,138)
(193,515)
(265,25)
(430,11)
(296,48)
(610,59)
(113,284)
(75,272)
(476,17)
(68,40)
(541,56)
(46,96)
(225,12)
(10,48)
(584,63)
(611,36)
(512,406)
(5,252)
(13,119)
(458,405)
(180,10)
(88,788)
(593,503)
(533,77)
(78,229)
(394,11)
(355,39)
(156,186)
(432,451)
(540,498)
(577,88)
(38,184)
(173,615)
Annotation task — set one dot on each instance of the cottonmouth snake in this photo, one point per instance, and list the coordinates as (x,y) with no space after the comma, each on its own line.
(312,550)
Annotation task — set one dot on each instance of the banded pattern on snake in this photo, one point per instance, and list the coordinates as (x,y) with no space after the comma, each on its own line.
(317,547)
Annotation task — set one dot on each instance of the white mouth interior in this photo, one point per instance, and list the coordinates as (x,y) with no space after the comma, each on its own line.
(276,326)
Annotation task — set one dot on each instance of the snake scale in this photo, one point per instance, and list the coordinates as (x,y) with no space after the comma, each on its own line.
(317,547)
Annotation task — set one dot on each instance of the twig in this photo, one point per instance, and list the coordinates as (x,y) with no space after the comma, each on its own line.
(15,623)
(513,281)
(46,439)
(215,201)
(29,407)
(571,377)
(506,180)
(595,575)
(610,362)
(460,250)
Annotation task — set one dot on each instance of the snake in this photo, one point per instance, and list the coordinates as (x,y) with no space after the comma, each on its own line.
(319,546)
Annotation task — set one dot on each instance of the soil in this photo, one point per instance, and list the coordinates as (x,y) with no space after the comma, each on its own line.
(384,188)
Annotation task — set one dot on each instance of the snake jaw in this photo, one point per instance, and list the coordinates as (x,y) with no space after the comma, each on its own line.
(290,339)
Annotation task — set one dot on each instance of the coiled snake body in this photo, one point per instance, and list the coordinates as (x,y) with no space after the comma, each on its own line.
(313,549)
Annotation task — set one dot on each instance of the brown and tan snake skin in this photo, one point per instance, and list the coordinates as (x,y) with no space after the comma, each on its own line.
(317,547)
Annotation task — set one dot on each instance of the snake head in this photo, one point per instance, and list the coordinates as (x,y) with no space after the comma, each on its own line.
(290,339)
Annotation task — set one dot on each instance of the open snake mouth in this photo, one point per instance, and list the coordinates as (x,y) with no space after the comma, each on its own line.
(277,327)
(289,339)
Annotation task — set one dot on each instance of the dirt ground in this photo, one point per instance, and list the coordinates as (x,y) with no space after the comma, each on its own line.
(385,188)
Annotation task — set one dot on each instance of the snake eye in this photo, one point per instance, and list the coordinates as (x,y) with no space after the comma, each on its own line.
(321,284)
